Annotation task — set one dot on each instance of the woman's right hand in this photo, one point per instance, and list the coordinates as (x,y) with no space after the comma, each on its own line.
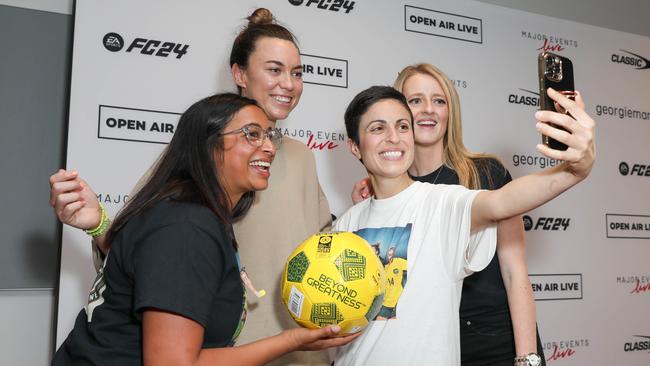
(361,190)
(74,203)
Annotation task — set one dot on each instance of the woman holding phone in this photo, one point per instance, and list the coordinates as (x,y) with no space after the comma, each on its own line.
(497,309)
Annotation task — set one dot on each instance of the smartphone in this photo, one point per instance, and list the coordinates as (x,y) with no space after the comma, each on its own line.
(555,72)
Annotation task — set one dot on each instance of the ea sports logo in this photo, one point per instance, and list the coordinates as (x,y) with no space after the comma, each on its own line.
(528,222)
(295,2)
(623,168)
(113,42)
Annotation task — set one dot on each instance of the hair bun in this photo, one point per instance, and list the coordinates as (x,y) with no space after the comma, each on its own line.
(261,16)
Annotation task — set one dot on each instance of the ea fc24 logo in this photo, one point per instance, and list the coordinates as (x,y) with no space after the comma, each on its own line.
(114,43)
(546,223)
(331,5)
(640,170)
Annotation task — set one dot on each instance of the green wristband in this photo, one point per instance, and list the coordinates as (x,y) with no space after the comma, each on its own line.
(102,228)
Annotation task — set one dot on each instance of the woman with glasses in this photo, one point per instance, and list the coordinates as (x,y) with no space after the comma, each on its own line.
(266,67)
(170,292)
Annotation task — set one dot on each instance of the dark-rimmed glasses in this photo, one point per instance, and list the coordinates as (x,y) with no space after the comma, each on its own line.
(255,135)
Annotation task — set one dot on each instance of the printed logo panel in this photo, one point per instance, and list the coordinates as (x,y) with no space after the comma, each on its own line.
(628,226)
(632,59)
(114,42)
(343,6)
(141,125)
(327,71)
(556,286)
(438,23)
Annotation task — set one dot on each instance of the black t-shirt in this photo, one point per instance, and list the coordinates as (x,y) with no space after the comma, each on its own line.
(484,299)
(175,257)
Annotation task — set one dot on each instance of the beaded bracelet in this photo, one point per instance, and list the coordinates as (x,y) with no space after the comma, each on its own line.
(102,228)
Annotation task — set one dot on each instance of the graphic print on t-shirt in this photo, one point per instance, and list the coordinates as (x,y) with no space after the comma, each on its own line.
(96,295)
(391,246)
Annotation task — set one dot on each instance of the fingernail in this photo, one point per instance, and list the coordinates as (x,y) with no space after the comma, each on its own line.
(538,125)
(336,328)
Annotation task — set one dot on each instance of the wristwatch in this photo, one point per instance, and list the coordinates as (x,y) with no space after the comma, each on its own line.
(531,359)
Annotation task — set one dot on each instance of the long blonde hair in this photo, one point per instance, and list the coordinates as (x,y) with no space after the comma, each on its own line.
(455,155)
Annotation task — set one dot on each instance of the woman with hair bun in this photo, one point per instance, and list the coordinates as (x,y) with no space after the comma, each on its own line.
(265,64)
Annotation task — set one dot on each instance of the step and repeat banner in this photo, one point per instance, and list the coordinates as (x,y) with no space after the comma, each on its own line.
(138,65)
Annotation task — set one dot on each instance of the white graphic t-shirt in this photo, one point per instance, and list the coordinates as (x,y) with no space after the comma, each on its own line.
(422,235)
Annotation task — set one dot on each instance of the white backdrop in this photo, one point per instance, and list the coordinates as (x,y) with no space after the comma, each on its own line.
(588,251)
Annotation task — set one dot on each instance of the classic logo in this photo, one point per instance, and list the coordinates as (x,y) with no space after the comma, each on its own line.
(326,71)
(331,5)
(114,42)
(141,125)
(441,24)
(636,284)
(632,59)
(556,286)
(560,350)
(628,226)
(640,343)
(549,42)
(528,98)
(546,223)
(318,139)
(536,161)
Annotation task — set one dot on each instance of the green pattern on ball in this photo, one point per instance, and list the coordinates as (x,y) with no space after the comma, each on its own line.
(324,314)
(297,267)
(351,265)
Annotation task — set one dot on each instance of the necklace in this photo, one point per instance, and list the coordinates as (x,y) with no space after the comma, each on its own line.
(438,175)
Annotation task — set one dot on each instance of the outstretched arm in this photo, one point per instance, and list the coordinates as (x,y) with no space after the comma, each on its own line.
(531,191)
(171,339)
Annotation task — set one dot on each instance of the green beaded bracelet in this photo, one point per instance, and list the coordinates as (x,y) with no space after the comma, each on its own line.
(102,228)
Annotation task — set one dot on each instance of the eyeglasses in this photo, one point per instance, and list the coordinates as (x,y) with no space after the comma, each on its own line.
(255,135)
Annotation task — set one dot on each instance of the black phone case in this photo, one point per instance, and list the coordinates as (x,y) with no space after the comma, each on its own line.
(565,86)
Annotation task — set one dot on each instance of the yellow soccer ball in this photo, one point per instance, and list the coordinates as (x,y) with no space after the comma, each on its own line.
(334,278)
